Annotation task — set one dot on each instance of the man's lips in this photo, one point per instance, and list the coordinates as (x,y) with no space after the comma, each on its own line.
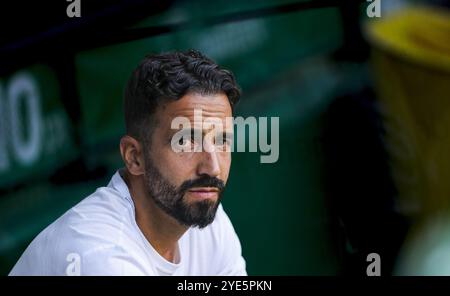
(203,192)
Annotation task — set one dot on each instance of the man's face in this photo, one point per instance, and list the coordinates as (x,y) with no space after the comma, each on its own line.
(188,185)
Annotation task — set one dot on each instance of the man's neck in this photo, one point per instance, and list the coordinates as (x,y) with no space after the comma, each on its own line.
(161,230)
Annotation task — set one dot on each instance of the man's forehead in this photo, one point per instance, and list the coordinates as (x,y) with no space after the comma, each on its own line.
(212,105)
(198,109)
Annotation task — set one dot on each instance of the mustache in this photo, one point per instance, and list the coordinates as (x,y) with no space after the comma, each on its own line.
(203,181)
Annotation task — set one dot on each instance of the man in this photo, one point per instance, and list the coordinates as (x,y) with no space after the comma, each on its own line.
(160,214)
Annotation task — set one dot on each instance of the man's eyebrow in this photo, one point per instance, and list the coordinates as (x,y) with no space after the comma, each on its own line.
(191,130)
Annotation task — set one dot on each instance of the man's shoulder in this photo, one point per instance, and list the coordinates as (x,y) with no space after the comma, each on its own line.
(100,223)
(105,206)
(102,217)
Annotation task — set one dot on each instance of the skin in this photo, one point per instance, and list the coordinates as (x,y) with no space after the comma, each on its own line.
(160,229)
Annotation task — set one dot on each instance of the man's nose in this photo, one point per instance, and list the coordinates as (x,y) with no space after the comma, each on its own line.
(209,164)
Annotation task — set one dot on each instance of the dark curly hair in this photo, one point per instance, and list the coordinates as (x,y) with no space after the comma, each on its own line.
(169,76)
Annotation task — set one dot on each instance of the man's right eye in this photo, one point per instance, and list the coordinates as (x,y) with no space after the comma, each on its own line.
(185,141)
(182,142)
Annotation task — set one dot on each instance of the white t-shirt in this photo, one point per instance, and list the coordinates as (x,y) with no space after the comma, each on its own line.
(99,236)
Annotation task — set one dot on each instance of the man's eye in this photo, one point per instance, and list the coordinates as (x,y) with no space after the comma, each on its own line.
(183,142)
(226,140)
(222,142)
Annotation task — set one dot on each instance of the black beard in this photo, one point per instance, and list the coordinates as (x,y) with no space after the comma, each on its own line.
(169,198)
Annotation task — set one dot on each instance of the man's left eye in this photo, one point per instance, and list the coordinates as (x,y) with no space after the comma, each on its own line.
(185,141)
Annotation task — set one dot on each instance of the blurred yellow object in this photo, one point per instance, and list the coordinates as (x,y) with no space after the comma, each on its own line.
(411,61)
(418,34)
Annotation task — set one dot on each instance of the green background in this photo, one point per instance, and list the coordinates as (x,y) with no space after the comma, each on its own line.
(283,65)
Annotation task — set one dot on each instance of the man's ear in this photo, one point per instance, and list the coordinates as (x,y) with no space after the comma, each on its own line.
(132,155)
